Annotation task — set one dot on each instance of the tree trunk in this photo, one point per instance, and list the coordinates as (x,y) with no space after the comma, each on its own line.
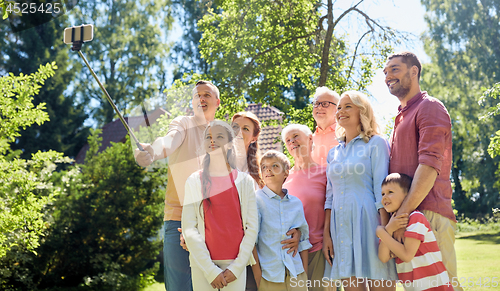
(326,48)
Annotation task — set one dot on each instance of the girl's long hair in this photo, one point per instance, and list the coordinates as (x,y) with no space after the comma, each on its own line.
(368,126)
(230,155)
(253,155)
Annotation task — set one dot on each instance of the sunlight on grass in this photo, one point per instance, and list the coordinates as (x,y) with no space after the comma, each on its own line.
(155,287)
(478,262)
(478,259)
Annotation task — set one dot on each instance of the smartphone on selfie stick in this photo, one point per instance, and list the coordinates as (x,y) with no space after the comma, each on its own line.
(77,35)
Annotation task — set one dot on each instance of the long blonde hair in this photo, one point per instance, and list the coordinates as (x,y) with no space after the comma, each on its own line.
(253,156)
(368,126)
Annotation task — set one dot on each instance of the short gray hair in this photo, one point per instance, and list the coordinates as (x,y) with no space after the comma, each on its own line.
(322,90)
(291,127)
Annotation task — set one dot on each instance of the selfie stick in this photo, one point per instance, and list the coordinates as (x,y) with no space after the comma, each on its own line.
(77,46)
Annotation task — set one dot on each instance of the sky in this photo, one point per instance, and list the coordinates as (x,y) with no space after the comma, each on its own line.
(407,16)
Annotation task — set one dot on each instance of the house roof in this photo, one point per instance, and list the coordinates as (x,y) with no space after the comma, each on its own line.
(269,138)
(116,132)
(269,135)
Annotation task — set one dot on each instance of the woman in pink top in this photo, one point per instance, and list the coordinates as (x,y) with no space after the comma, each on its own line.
(307,181)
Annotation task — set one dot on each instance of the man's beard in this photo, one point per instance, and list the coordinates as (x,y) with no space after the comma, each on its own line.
(402,90)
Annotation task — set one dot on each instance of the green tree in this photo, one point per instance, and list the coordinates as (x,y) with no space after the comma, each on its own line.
(23,52)
(462,41)
(260,49)
(24,184)
(104,229)
(185,54)
(494,146)
(493,93)
(3,5)
(127,53)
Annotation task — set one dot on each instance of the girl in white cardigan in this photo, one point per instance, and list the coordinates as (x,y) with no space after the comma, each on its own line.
(219,218)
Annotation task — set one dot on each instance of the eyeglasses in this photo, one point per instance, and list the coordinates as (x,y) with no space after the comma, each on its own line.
(324,104)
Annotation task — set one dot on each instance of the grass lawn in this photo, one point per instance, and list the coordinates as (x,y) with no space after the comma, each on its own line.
(156,287)
(479,259)
(478,262)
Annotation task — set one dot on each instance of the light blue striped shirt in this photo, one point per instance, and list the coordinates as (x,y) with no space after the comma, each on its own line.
(276,217)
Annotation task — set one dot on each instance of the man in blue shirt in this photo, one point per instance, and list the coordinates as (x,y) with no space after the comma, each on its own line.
(278,213)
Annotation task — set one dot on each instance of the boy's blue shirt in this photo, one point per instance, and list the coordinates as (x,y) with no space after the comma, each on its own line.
(276,217)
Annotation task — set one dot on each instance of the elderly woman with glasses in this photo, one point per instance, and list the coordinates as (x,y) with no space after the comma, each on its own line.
(324,109)
(307,181)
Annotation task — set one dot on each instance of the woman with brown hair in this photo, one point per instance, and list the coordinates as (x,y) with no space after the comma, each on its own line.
(247,128)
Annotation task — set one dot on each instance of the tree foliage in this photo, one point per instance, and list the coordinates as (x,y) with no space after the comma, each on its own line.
(103,232)
(3,6)
(493,93)
(127,53)
(185,54)
(93,227)
(462,42)
(23,52)
(17,109)
(23,183)
(261,48)
(465,33)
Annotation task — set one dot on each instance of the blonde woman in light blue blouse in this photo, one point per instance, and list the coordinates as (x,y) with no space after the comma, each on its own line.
(353,208)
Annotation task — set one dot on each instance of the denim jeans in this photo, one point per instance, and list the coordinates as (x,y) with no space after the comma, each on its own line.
(176,260)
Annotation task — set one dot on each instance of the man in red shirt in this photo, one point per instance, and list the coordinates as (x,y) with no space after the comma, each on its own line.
(421,148)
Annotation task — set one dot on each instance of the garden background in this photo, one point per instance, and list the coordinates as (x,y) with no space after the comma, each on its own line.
(95,226)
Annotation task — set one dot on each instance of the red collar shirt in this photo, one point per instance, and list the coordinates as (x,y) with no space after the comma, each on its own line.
(422,135)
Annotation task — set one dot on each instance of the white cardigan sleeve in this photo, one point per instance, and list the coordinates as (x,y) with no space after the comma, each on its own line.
(250,220)
(195,241)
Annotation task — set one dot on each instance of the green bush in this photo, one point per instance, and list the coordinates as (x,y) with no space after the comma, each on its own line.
(104,227)
(22,182)
(480,224)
